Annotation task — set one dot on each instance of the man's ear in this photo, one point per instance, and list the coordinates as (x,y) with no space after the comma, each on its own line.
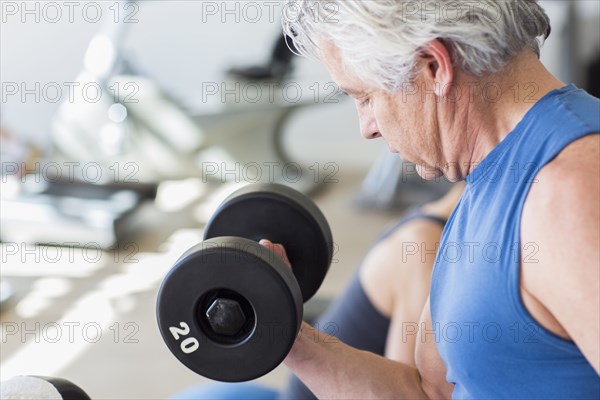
(438,66)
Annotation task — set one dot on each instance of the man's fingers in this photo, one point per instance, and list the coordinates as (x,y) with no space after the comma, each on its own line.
(277,249)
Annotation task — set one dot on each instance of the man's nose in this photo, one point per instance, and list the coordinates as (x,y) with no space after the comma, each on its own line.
(369,128)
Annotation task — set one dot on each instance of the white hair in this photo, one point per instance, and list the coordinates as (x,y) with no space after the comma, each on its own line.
(381,39)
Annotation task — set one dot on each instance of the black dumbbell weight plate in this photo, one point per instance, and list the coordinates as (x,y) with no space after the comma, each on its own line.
(68,390)
(282,215)
(238,269)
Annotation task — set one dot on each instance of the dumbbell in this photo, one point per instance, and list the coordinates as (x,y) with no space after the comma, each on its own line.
(230,309)
(40,387)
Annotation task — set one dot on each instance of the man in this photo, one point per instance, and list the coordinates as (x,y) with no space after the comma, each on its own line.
(458,88)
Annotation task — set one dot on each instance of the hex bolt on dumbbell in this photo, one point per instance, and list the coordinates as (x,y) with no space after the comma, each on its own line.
(230,309)
(225,317)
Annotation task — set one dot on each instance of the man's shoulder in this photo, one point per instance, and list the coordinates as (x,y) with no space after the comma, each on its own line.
(561,210)
(574,170)
(581,106)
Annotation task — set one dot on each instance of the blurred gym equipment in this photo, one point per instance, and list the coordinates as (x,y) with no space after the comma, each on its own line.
(142,124)
(77,213)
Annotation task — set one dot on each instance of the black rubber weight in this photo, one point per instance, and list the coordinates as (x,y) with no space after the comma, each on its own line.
(68,390)
(282,215)
(251,271)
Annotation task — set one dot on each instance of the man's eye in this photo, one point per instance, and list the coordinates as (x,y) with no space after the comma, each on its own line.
(364,102)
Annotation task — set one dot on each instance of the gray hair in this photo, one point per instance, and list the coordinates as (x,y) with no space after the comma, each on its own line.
(381,39)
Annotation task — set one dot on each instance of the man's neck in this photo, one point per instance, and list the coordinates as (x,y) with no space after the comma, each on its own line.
(500,102)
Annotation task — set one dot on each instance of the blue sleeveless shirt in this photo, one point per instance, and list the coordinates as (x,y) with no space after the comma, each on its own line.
(491,346)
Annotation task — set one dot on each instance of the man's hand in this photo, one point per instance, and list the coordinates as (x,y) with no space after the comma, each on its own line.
(277,249)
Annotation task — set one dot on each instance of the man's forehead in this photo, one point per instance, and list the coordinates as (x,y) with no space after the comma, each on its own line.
(348,81)
(332,59)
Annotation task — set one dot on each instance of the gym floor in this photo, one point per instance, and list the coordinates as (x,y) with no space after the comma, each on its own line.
(96,326)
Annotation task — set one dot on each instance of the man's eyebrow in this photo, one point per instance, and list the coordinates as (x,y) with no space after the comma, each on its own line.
(351,92)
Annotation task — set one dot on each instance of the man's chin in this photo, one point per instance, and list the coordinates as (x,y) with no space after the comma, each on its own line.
(429,173)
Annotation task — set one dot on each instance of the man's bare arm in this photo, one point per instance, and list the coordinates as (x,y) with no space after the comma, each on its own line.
(333,370)
(561,215)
